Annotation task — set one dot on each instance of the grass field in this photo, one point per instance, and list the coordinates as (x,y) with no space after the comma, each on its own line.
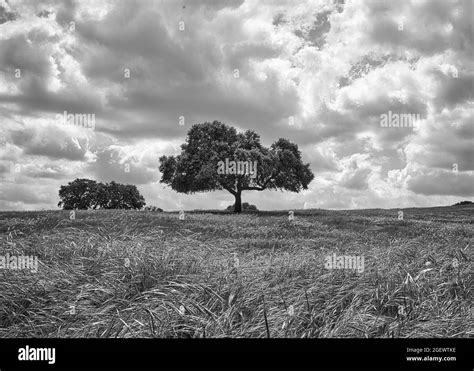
(148,274)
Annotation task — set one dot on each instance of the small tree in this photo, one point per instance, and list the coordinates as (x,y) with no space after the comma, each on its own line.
(210,145)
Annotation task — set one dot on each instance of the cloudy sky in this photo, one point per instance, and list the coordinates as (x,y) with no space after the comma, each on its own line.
(320,73)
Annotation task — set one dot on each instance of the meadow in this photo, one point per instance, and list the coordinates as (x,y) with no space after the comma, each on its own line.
(135,274)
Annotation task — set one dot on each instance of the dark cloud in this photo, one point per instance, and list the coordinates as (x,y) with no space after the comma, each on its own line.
(279,19)
(358,180)
(428,27)
(50,142)
(35,98)
(66,12)
(6,15)
(33,55)
(290,60)
(443,183)
(45,13)
(320,27)
(19,52)
(449,141)
(454,91)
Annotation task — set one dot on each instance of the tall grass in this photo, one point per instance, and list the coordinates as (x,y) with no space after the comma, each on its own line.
(143,274)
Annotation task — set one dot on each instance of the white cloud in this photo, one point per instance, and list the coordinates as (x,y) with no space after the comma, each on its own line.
(333,68)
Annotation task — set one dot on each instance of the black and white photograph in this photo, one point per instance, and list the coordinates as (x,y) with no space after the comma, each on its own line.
(237,169)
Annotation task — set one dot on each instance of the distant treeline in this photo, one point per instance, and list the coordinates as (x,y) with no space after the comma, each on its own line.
(464,203)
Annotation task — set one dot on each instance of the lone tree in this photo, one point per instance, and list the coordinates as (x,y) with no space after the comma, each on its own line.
(217,157)
(88,194)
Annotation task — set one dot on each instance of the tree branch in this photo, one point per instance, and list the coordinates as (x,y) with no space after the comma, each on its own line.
(264,186)
(228,189)
(254,189)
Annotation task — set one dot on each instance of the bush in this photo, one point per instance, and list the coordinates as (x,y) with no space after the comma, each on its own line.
(153,208)
(245,207)
(464,203)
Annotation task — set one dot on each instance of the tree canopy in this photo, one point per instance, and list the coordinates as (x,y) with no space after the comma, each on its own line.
(88,194)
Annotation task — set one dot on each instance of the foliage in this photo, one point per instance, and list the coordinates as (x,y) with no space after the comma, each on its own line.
(191,263)
(88,194)
(279,167)
(245,207)
(153,208)
(461,203)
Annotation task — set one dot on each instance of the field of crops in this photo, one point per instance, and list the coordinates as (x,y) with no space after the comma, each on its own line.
(128,274)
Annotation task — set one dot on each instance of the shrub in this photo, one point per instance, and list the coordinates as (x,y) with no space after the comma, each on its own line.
(245,207)
(464,203)
(153,208)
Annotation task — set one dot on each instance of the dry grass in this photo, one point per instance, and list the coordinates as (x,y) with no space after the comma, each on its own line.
(190,265)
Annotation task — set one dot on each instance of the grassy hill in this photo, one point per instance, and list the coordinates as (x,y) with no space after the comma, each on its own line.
(145,274)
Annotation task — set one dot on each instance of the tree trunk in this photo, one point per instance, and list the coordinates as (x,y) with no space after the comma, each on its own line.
(238,203)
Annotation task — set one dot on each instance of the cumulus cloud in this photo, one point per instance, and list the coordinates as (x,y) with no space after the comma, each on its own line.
(122,164)
(51,141)
(320,73)
(443,183)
